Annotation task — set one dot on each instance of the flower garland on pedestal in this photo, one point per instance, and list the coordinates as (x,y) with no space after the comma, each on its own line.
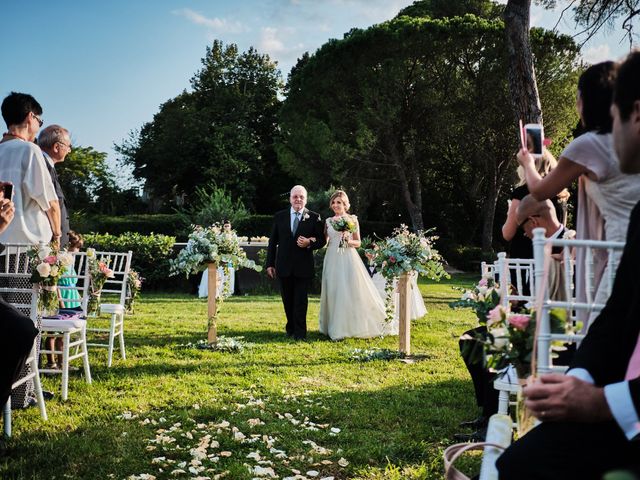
(215,244)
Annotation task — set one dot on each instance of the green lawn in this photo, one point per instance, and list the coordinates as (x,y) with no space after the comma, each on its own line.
(276,403)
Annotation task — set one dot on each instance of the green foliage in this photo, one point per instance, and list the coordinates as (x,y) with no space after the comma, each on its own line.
(219,133)
(151,253)
(146,224)
(447,8)
(213,205)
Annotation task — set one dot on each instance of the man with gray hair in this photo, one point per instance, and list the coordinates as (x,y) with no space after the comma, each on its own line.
(55,143)
(296,232)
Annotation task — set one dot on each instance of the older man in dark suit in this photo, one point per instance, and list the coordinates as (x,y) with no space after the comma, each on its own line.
(296,233)
(591,416)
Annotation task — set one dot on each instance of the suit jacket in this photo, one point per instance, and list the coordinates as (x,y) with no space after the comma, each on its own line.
(64,214)
(284,254)
(607,348)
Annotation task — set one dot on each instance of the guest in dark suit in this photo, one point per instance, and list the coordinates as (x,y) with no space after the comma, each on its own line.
(296,233)
(590,417)
(18,331)
(55,143)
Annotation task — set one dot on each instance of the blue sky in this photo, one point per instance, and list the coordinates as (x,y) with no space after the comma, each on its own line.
(102,68)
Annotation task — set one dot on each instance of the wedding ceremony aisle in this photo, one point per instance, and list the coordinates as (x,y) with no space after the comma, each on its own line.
(277,409)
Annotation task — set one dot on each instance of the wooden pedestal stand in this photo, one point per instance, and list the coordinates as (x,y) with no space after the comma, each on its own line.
(405,313)
(212,290)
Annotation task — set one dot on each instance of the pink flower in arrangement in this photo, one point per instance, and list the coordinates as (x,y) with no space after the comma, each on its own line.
(519,322)
(51,259)
(495,315)
(482,282)
(392,259)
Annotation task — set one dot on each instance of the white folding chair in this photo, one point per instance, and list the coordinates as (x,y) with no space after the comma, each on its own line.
(489,270)
(120,263)
(571,305)
(16,267)
(72,331)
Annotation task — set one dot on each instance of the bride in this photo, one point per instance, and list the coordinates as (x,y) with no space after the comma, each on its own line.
(350,305)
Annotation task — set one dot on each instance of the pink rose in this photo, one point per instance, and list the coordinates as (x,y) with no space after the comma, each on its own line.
(519,322)
(392,259)
(51,259)
(495,315)
(482,282)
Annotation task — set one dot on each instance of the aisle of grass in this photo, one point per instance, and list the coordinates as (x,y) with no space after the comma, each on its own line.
(281,400)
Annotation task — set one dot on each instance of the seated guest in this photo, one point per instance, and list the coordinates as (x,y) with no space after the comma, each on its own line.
(18,331)
(590,417)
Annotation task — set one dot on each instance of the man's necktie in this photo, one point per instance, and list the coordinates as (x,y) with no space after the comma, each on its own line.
(296,222)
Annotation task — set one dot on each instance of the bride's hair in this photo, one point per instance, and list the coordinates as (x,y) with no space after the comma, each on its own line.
(342,194)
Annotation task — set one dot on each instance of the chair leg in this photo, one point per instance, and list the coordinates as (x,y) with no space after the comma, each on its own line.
(6,413)
(65,365)
(121,337)
(85,357)
(503,402)
(38,386)
(112,331)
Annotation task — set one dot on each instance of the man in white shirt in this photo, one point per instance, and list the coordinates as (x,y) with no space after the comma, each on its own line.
(37,210)
(55,143)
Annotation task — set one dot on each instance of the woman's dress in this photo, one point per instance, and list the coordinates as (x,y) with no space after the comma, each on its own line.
(350,305)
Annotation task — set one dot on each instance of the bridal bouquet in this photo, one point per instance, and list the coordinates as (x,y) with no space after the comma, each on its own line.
(403,252)
(214,244)
(483,298)
(346,224)
(48,265)
(99,271)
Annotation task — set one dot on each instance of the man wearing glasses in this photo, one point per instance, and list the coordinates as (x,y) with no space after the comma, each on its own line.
(55,143)
(37,210)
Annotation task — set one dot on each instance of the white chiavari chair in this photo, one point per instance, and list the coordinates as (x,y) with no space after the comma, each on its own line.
(15,272)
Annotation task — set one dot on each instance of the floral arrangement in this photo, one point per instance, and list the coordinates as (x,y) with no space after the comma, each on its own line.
(224,344)
(482,298)
(48,265)
(403,252)
(371,354)
(510,337)
(99,271)
(259,239)
(134,285)
(346,224)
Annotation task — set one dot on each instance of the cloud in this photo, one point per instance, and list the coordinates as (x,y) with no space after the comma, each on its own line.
(274,41)
(219,25)
(598,53)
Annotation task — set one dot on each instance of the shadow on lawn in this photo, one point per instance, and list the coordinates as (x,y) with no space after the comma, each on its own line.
(401,425)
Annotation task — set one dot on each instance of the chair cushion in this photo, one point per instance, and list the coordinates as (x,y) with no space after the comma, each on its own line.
(63,322)
(111,308)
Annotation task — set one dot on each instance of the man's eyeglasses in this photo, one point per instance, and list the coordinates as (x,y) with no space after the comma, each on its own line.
(40,121)
(66,145)
(527,219)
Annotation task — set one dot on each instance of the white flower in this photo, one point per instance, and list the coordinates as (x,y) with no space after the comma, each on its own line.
(483,290)
(500,338)
(65,258)
(305,216)
(44,269)
(54,270)
(569,234)
(44,252)
(91,252)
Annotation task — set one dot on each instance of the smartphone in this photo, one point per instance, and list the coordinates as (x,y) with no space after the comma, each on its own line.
(7,189)
(534,138)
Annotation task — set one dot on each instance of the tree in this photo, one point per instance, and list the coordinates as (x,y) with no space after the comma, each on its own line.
(219,133)
(81,175)
(411,109)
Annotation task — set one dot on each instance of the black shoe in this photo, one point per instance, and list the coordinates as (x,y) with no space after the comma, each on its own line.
(477,436)
(476,423)
(47,395)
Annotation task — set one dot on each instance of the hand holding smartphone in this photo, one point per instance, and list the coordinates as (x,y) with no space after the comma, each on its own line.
(7,190)
(533,139)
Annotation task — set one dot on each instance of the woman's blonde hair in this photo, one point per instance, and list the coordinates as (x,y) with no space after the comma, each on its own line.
(544,165)
(342,194)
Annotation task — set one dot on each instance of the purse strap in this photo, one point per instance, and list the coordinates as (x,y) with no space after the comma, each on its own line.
(452,453)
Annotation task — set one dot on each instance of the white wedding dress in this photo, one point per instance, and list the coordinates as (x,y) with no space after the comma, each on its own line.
(350,305)
(417,307)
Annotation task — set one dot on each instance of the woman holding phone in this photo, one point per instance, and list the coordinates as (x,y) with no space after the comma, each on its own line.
(605,195)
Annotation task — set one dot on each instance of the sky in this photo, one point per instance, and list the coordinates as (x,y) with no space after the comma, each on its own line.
(102,68)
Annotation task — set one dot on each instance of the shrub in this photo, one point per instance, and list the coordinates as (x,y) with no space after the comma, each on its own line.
(151,253)
(467,257)
(146,224)
(210,206)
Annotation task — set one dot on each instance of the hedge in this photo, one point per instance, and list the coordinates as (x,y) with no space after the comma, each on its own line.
(146,224)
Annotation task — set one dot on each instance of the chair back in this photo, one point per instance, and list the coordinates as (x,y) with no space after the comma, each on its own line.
(15,280)
(78,279)
(567,300)
(120,263)
(514,275)
(489,270)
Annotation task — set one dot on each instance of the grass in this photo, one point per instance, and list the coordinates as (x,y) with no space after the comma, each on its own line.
(391,420)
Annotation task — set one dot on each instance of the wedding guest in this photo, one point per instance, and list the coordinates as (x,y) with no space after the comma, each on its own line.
(590,422)
(18,331)
(55,143)
(37,217)
(605,195)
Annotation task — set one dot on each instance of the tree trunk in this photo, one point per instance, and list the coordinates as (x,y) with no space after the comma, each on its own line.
(525,100)
(488,216)
(411,186)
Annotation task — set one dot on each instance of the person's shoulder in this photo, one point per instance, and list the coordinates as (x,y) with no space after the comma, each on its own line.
(314,215)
